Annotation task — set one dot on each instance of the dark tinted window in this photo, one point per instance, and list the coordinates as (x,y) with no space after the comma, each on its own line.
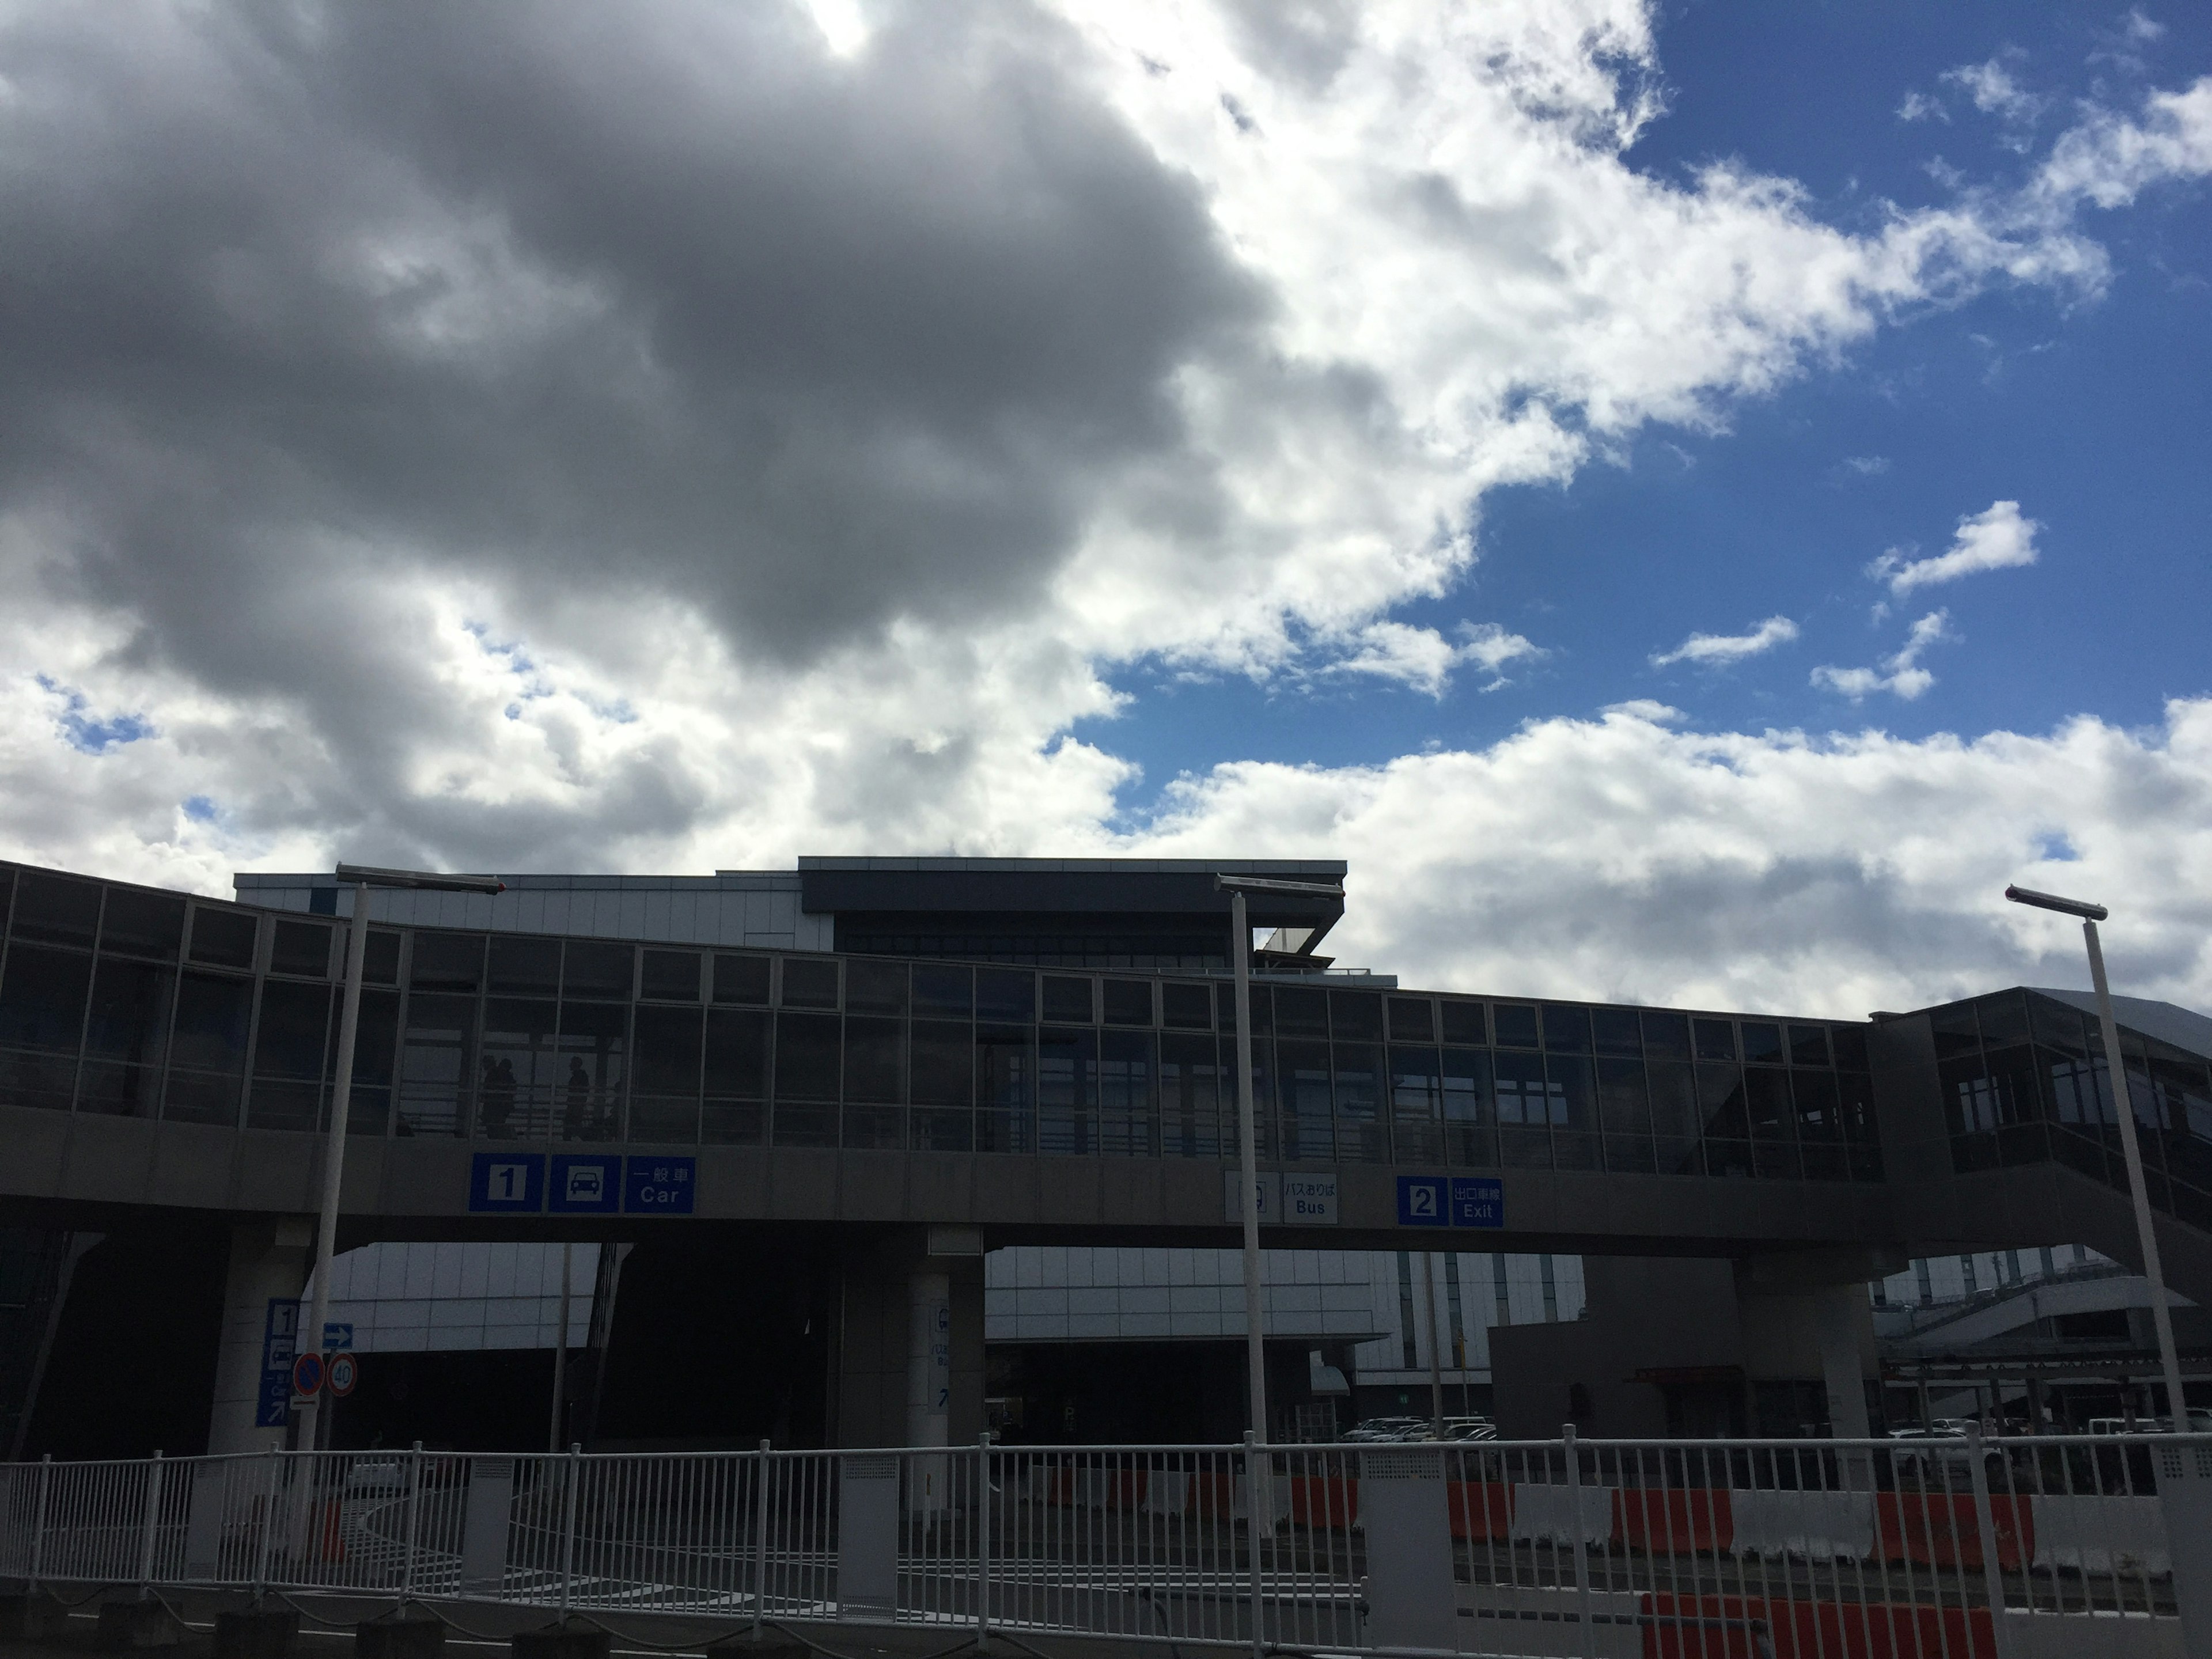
(1068,1000)
(143,924)
(1666,1036)
(125,1038)
(1567,1030)
(1954,1030)
(737,1054)
(1462,1022)
(1809,1045)
(669,977)
(1356,1016)
(223,938)
(1128,1001)
(944,989)
(1188,1007)
(1515,1022)
(1850,1043)
(1716,1039)
(741,980)
(442,962)
(1616,1031)
(380,962)
(1762,1042)
(2003,1018)
(289,1040)
(810,982)
(42,999)
(207,1055)
(1411,1020)
(805,1057)
(55,910)
(1301,1010)
(943,1052)
(593,970)
(301,947)
(525,967)
(665,1056)
(875,1061)
(1004,994)
(875,988)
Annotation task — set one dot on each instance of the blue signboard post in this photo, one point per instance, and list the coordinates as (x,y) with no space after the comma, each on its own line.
(507,1183)
(584,1184)
(273,1407)
(659,1186)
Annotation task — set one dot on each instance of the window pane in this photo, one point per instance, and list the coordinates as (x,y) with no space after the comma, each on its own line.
(941,1130)
(442,962)
(380,962)
(223,938)
(1191,1087)
(1762,1042)
(1126,1127)
(1301,1010)
(1766,1097)
(595,970)
(663,1120)
(1666,1036)
(1462,1023)
(741,979)
(42,999)
(1006,1077)
(1470,1110)
(302,948)
(125,1040)
(669,977)
(875,1062)
(1413,1019)
(55,910)
(1128,1001)
(1567,1030)
(1720,1097)
(1716,1039)
(1522,1096)
(1809,1045)
(1308,1110)
(737,1054)
(1068,1000)
(1416,1106)
(1820,1111)
(440,1032)
(1616,1031)
(943,1059)
(1067,1089)
(207,1056)
(1361,1132)
(375,1043)
(283,1103)
(151,924)
(519,1078)
(1515,1022)
(1624,1109)
(944,988)
(1850,1043)
(1005,995)
(295,1022)
(1954,1030)
(1188,1007)
(1675,1114)
(2004,1019)
(525,967)
(807,1059)
(590,1052)
(810,982)
(1572,1089)
(1355,1016)
(666,1058)
(2056,1025)
(881,1128)
(733,1123)
(875,988)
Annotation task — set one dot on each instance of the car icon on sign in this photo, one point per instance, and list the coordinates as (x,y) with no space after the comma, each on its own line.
(586,1183)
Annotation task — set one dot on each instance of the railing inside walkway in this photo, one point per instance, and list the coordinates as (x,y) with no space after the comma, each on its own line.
(1943,1549)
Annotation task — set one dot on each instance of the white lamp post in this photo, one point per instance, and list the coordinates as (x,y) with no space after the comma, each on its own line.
(2117,1071)
(326,1235)
(1255,1359)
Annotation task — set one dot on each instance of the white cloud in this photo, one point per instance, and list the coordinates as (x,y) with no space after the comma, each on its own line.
(1995,91)
(1995,538)
(1919,107)
(1900,675)
(1868,466)
(1423,658)
(1708,649)
(1780,871)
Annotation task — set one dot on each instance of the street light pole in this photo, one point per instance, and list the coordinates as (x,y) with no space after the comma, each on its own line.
(334,1145)
(2116,1073)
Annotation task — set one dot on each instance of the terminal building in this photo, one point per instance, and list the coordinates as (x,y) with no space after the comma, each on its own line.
(783,1125)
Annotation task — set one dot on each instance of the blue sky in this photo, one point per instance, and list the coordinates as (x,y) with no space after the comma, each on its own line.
(2095,415)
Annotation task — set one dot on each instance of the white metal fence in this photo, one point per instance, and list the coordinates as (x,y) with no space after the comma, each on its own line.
(1930,1549)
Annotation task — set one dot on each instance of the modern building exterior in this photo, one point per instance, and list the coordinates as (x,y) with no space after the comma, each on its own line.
(865,1077)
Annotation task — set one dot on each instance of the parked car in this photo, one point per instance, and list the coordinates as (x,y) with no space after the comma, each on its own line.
(1376,1429)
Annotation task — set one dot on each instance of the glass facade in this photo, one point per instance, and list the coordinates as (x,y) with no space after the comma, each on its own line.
(2024,1078)
(117,1001)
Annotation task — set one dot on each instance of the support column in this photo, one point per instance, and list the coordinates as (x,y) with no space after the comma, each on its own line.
(268,1262)
(1838,1311)
(911,1341)
(929,1358)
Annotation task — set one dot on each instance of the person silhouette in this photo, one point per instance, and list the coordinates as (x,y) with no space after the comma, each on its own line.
(576,1110)
(497,1105)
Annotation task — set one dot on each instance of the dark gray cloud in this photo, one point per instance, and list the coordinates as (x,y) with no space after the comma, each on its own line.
(573,299)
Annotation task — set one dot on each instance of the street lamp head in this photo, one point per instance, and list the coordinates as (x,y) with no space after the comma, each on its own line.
(1267,884)
(425,881)
(2080,908)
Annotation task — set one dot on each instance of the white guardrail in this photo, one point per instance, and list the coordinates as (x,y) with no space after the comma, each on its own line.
(1924,1549)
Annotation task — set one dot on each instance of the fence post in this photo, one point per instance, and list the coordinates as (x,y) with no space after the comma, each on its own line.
(1985,1525)
(414,1522)
(568,1526)
(153,1519)
(983,1538)
(39,1519)
(1582,1609)
(1252,1536)
(268,1527)
(760,1544)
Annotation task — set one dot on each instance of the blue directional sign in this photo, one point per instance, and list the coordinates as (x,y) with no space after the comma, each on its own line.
(659,1186)
(507,1183)
(273,1405)
(584,1184)
(1478,1201)
(336,1336)
(1422,1200)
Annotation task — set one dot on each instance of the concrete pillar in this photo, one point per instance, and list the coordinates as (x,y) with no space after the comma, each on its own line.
(268,1262)
(894,1290)
(1838,1310)
(929,1358)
